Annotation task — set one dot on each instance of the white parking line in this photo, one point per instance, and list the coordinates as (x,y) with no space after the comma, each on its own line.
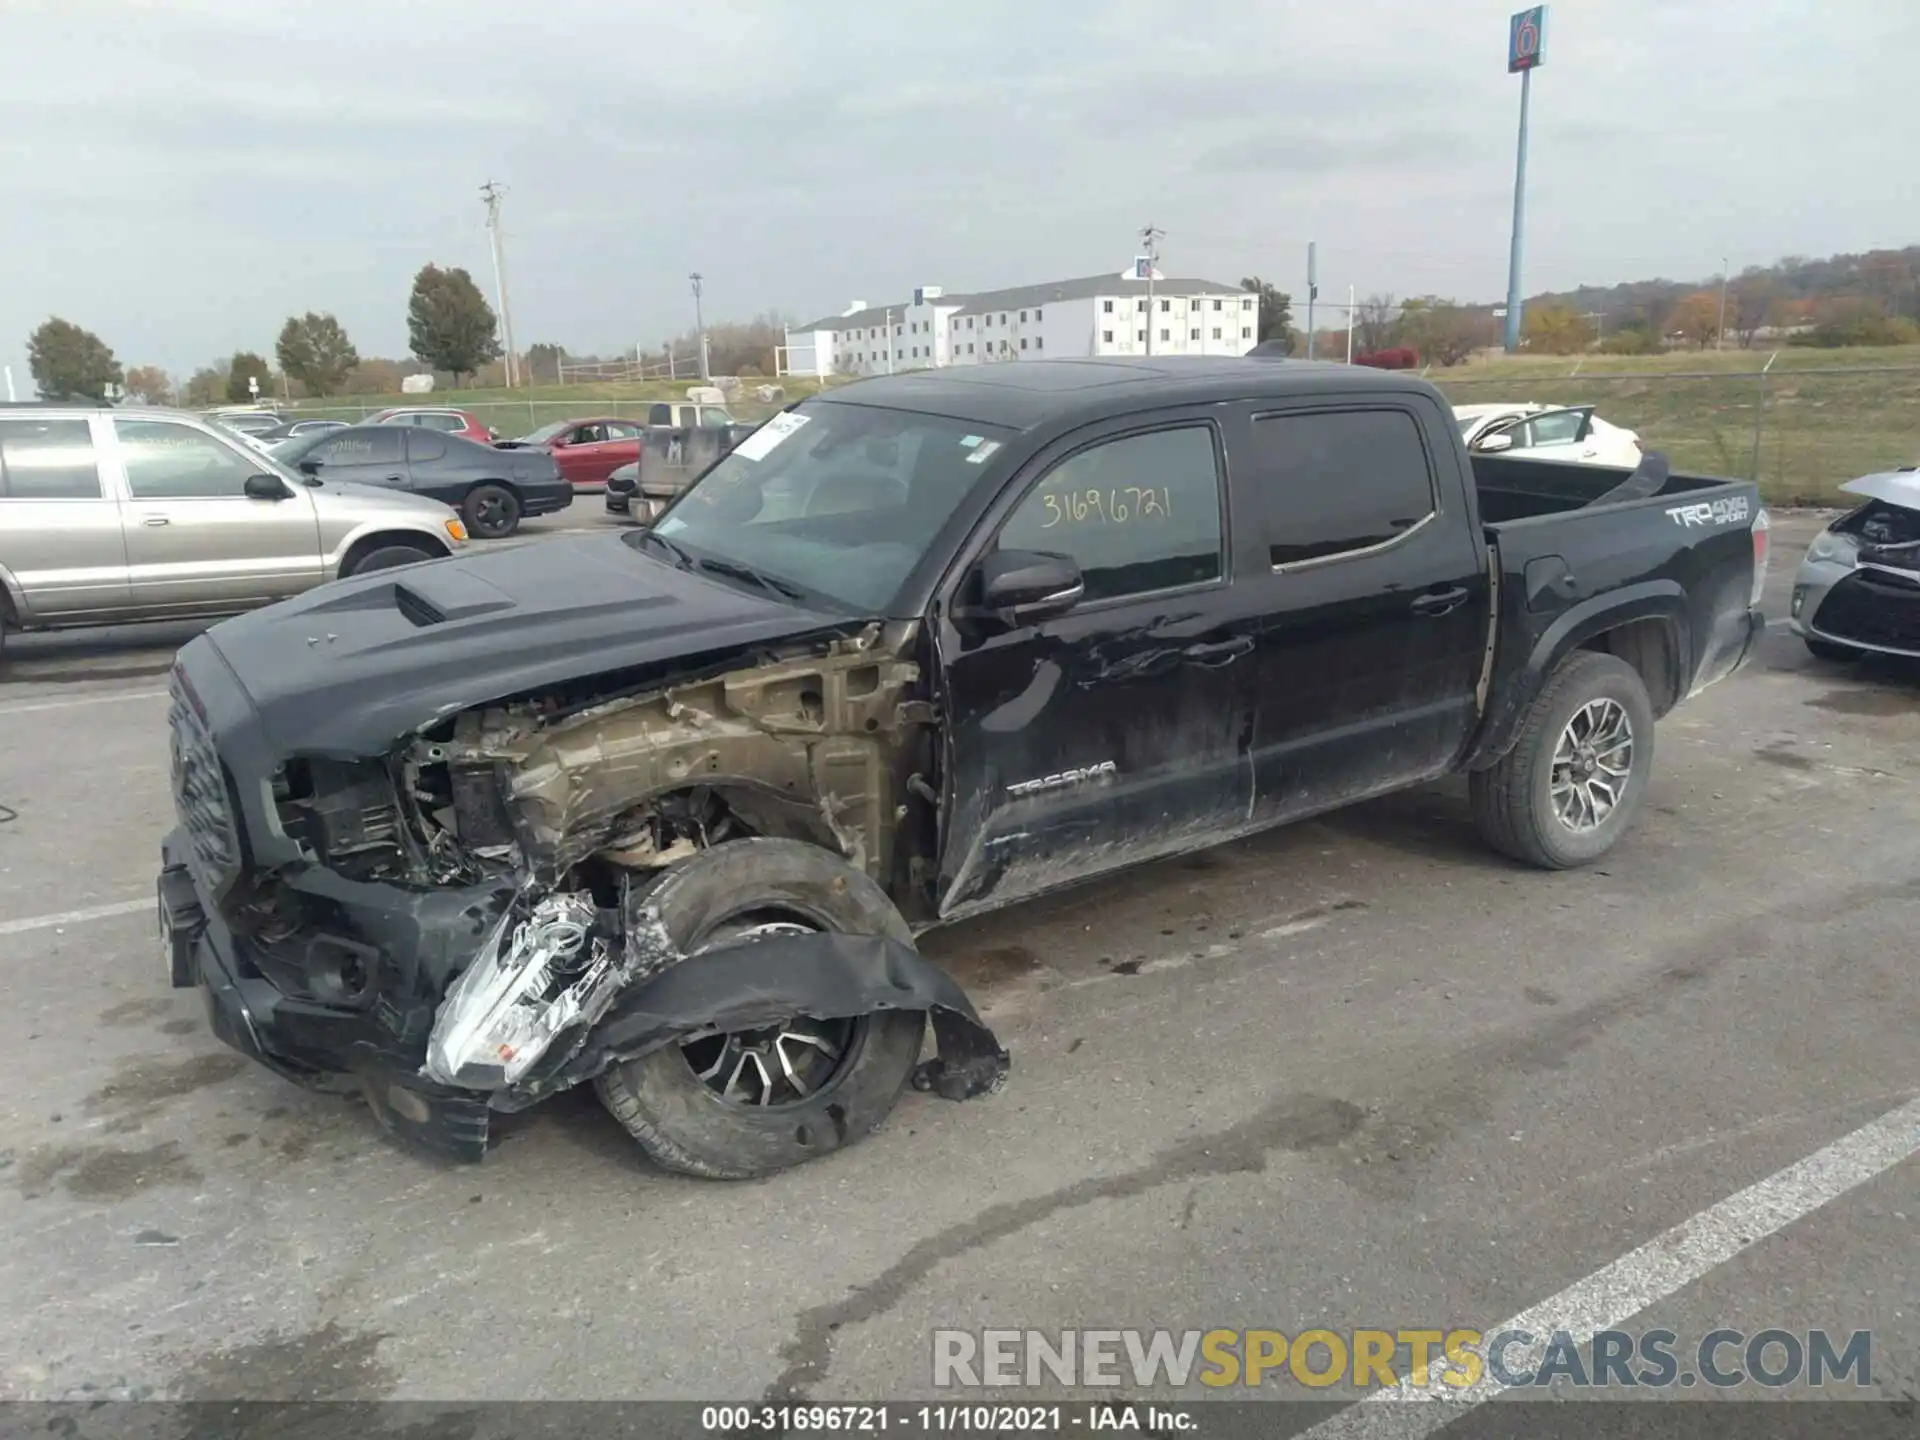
(1640,1278)
(76,917)
(68,704)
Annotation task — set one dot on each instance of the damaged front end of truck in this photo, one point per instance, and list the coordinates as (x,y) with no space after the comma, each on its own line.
(480,914)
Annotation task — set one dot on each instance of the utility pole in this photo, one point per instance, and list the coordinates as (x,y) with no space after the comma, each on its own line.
(1720,331)
(1150,238)
(1526,51)
(1313,289)
(492,194)
(889,340)
(700,327)
(1349,324)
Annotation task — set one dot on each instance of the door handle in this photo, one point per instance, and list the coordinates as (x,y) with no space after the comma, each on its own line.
(1439,602)
(395,479)
(154,520)
(1221,652)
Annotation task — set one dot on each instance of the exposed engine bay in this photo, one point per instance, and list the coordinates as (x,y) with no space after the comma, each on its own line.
(1889,534)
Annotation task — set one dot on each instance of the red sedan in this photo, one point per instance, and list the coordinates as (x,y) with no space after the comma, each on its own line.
(436,417)
(588,451)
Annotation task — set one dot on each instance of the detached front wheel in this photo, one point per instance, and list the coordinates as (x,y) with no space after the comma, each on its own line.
(1576,776)
(731,1105)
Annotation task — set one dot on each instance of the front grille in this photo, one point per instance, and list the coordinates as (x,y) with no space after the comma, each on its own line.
(200,795)
(1873,607)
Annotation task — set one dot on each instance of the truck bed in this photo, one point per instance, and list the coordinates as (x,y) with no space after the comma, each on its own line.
(1512,489)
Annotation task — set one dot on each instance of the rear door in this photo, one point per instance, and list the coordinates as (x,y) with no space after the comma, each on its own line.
(1374,601)
(60,537)
(366,455)
(195,539)
(1117,732)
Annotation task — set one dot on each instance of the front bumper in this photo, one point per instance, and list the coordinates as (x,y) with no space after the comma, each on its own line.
(318,1046)
(546,501)
(1861,607)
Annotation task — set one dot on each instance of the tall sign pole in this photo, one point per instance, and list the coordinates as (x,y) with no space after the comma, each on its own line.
(1526,33)
(493,194)
(1313,289)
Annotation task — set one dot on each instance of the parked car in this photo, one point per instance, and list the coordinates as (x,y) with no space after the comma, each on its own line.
(463,423)
(293,429)
(110,516)
(247,420)
(1858,590)
(587,451)
(1544,432)
(631,808)
(493,489)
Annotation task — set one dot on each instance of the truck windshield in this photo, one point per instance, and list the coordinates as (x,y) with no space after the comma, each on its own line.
(835,500)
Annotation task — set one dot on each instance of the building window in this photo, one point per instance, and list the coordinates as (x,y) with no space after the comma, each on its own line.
(1216,332)
(1003,320)
(1246,304)
(1216,304)
(1140,305)
(1193,334)
(1166,334)
(896,329)
(1036,317)
(1023,317)
(1106,307)
(1039,342)
(1003,347)
(969,347)
(1166,306)
(1023,342)
(1106,337)
(1141,336)
(1246,332)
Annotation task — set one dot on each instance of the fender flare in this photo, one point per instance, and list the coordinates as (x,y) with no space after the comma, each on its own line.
(1663,601)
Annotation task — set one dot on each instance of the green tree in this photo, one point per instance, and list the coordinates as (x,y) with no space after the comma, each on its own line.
(1445,332)
(543,362)
(314,350)
(70,363)
(449,323)
(244,367)
(1276,311)
(1556,330)
(150,383)
(204,388)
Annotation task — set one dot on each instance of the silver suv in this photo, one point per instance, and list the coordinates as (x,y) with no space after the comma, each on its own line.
(109,516)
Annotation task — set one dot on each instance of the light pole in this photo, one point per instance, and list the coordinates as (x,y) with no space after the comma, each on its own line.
(1313,288)
(492,195)
(1720,330)
(1150,236)
(1526,33)
(699,327)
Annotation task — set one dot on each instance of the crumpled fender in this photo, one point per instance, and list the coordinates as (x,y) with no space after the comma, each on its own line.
(766,981)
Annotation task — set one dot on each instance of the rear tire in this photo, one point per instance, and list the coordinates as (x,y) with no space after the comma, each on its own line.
(681,1121)
(387,557)
(492,511)
(1827,650)
(1535,806)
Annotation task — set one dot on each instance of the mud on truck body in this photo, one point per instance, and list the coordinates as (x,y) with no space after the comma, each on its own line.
(664,811)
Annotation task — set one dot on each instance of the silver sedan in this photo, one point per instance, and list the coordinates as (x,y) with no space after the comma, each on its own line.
(1858,590)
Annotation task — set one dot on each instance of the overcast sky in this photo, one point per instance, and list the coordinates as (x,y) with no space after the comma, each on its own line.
(180,175)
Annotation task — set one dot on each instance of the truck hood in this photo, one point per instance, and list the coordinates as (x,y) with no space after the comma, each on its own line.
(348,669)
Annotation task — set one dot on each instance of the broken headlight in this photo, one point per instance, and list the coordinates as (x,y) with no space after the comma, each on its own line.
(1833,549)
(533,978)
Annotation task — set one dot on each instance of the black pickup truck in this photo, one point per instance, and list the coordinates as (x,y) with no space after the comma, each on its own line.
(664,810)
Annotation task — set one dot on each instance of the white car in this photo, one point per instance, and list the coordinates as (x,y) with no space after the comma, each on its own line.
(1547,432)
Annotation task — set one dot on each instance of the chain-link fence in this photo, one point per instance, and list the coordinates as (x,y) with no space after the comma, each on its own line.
(1800,432)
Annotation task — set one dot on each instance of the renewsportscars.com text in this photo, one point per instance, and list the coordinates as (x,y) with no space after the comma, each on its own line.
(1371,1359)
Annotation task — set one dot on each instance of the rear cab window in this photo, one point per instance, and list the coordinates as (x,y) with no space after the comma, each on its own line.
(47,460)
(1330,484)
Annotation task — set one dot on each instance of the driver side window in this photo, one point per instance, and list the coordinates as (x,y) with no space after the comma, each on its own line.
(1137,514)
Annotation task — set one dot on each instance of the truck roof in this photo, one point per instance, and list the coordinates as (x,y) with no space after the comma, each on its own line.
(1026,393)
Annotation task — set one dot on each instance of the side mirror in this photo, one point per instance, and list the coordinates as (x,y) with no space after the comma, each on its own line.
(1494,444)
(266,487)
(309,467)
(1022,586)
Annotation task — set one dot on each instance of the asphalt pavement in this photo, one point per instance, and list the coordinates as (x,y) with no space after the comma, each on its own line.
(1357,1073)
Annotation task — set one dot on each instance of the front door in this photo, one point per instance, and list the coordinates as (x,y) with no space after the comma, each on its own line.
(1118,731)
(195,540)
(60,534)
(1374,603)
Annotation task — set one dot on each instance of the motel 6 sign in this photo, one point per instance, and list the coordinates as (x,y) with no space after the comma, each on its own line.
(1525,32)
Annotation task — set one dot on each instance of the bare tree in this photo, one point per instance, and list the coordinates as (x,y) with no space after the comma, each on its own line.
(1751,302)
(1376,324)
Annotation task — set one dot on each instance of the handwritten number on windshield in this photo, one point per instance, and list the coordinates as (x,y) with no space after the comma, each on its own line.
(1131,504)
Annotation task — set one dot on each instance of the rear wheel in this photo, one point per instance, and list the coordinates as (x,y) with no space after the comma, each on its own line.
(386,557)
(1573,781)
(732,1105)
(1827,650)
(492,511)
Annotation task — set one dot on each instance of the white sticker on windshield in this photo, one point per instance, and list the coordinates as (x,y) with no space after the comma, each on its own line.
(760,443)
(983,452)
(967,442)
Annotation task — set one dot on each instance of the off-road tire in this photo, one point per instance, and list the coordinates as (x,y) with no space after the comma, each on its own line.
(1512,801)
(680,1123)
(1827,650)
(479,500)
(387,557)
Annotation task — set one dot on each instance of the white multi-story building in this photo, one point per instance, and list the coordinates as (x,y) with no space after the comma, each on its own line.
(1098,315)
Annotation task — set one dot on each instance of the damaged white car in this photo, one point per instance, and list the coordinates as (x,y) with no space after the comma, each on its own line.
(1858,590)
